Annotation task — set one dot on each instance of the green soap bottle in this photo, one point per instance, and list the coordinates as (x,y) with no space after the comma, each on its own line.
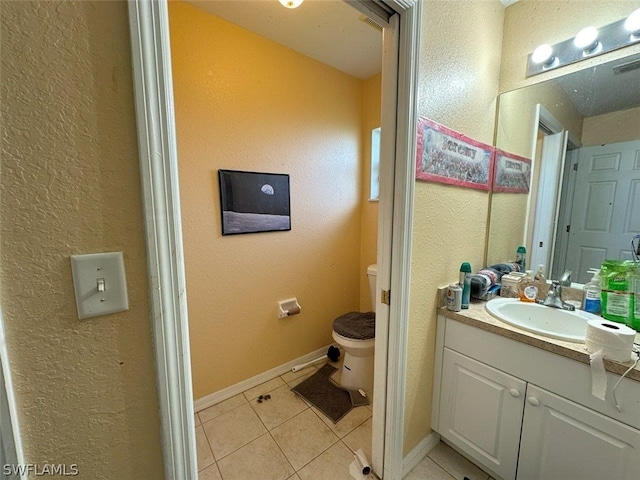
(521,258)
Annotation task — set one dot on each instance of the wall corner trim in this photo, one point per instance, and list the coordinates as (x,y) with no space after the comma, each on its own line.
(151,62)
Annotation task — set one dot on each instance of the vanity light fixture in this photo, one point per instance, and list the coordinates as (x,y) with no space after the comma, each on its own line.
(291,3)
(589,42)
(632,24)
(544,55)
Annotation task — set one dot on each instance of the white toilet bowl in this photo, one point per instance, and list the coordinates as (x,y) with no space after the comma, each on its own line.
(357,367)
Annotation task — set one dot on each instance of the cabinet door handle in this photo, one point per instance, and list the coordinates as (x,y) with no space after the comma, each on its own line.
(533,401)
(514,393)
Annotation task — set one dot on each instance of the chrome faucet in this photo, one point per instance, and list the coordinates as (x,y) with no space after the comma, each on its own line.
(554,297)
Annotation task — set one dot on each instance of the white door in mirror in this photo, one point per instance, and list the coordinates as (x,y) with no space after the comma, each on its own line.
(605,206)
(100,284)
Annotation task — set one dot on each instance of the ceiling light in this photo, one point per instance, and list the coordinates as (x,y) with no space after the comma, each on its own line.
(543,54)
(291,3)
(587,40)
(632,23)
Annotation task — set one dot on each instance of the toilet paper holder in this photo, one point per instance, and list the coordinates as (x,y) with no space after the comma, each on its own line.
(288,307)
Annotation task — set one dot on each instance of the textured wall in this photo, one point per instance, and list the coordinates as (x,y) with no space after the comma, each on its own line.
(70,184)
(622,126)
(458,83)
(250,104)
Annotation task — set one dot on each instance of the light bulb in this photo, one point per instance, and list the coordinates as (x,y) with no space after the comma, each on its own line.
(543,54)
(587,39)
(291,3)
(632,24)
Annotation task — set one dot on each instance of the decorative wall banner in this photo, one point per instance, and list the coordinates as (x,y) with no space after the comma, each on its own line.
(512,172)
(446,156)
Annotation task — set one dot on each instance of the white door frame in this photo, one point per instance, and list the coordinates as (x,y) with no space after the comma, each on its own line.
(11,451)
(153,90)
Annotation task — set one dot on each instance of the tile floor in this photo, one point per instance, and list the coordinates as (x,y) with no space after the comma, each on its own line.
(284,438)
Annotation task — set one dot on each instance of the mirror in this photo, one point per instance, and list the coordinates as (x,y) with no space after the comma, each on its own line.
(571,219)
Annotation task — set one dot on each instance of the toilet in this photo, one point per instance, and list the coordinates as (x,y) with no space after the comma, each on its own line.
(355,333)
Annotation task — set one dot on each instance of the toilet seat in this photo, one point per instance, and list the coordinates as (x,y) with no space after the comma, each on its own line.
(358,326)
(355,333)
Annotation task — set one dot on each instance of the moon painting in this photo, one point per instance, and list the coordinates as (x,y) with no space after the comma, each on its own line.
(254,202)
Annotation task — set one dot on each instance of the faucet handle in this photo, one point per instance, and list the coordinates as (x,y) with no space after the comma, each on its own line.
(566,278)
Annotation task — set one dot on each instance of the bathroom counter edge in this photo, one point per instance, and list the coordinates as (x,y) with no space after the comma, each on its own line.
(477,316)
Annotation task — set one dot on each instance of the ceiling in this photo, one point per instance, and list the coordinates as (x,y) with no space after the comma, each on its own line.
(329,31)
(599,90)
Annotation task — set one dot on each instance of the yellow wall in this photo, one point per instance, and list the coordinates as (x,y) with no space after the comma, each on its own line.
(621,126)
(458,84)
(369,223)
(247,103)
(86,390)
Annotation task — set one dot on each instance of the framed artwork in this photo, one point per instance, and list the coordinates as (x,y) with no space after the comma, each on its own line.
(254,202)
(446,156)
(512,172)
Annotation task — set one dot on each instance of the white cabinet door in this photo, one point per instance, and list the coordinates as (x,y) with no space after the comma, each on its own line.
(481,412)
(562,440)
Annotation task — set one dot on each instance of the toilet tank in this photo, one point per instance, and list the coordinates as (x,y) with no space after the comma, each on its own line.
(372,271)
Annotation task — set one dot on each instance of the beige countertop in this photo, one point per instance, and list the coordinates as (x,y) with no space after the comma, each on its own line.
(477,316)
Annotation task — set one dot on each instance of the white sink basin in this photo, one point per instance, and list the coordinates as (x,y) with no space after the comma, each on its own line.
(547,321)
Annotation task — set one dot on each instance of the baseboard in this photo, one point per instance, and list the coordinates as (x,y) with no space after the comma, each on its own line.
(225,393)
(419,452)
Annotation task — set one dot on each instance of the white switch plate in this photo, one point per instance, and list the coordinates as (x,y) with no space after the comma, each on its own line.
(99,268)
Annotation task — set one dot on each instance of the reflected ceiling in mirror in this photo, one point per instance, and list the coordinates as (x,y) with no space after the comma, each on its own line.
(593,107)
(603,89)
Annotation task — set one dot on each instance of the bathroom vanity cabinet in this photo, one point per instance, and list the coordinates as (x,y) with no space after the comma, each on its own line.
(523,413)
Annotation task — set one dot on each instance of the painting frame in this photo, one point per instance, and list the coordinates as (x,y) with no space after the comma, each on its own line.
(254,202)
(454,161)
(512,173)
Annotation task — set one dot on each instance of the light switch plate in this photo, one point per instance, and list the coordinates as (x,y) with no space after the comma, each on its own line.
(99,271)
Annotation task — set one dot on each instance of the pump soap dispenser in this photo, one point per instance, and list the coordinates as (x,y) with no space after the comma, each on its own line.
(591,299)
(528,289)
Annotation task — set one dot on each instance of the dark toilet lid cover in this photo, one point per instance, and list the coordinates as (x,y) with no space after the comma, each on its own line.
(356,325)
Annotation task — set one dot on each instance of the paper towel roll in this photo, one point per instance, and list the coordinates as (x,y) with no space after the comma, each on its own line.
(598,375)
(610,340)
(362,462)
(615,340)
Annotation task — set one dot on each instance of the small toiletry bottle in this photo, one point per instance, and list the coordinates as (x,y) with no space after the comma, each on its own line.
(528,289)
(521,260)
(591,299)
(539,276)
(465,283)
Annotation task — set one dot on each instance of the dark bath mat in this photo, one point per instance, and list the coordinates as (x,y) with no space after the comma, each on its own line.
(322,393)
